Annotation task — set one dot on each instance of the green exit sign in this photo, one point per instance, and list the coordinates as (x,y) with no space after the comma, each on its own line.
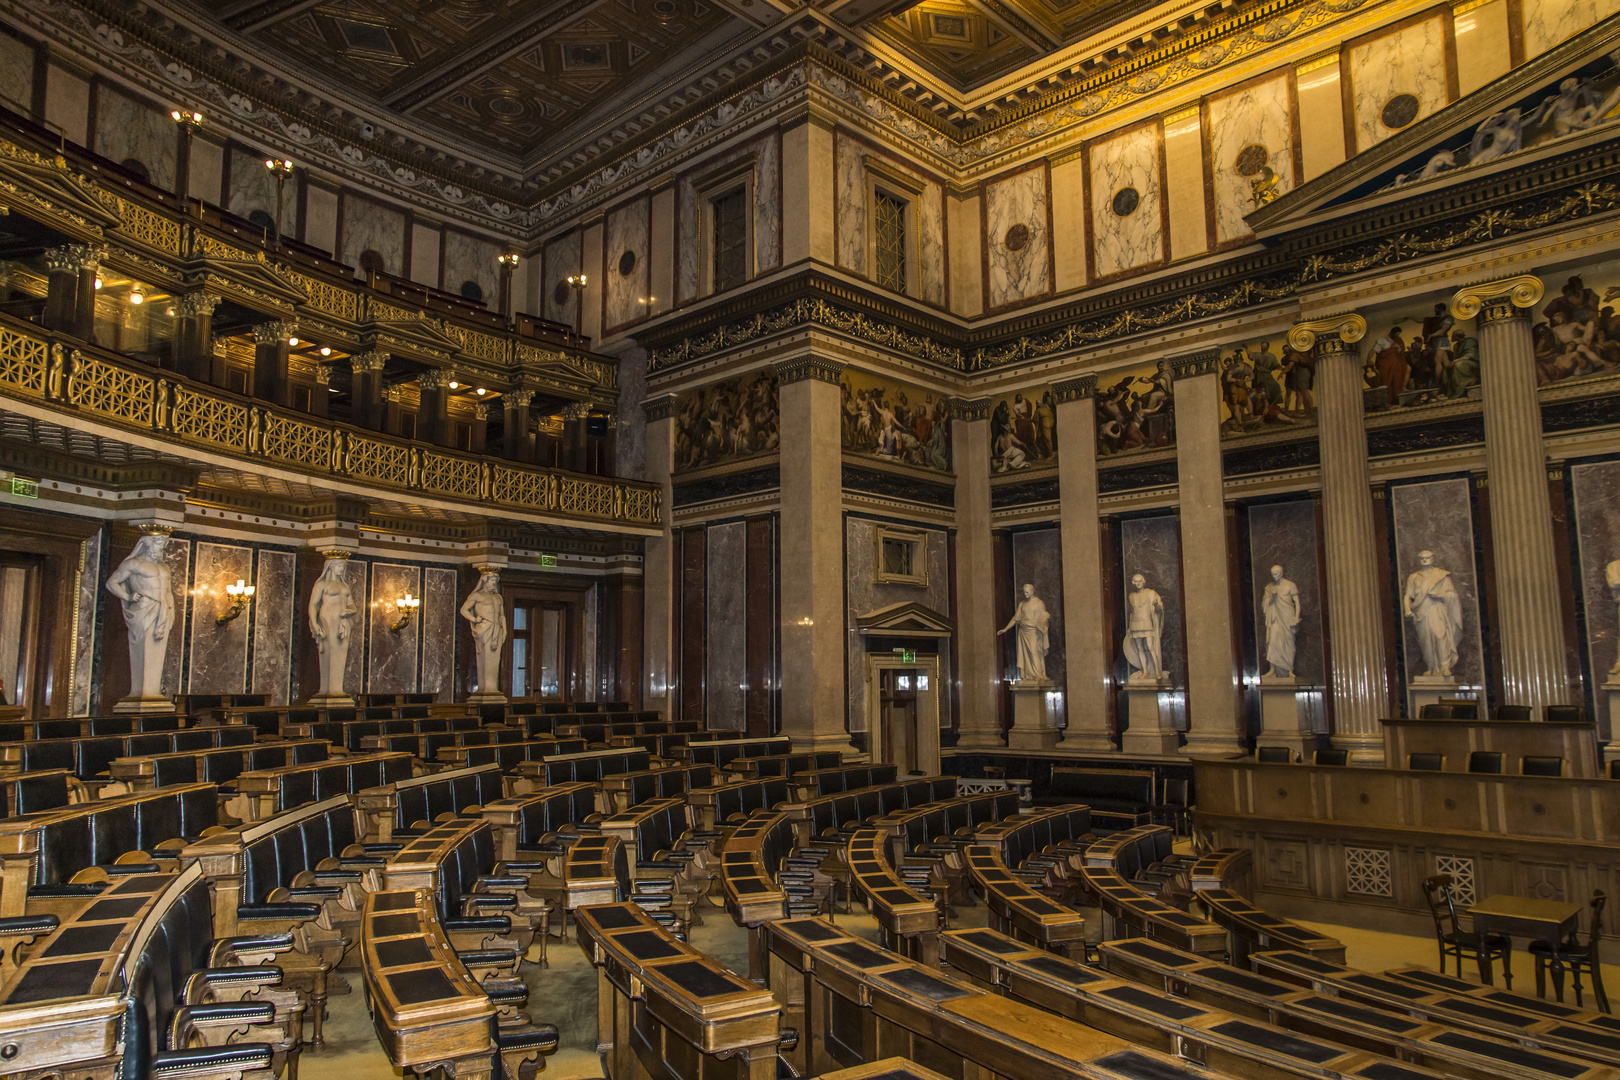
(28,489)
(548,560)
(907,656)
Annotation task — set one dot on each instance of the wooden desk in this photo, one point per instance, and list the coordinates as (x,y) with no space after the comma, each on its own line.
(1576,743)
(1531,920)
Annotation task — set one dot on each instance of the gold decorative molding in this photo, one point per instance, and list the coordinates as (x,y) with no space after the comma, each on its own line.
(1349,329)
(1498,299)
(1075,389)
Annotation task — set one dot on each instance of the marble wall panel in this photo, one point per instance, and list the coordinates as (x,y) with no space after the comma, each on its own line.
(84,646)
(1284,534)
(219,654)
(689,215)
(630,425)
(1261,115)
(1019,259)
(16,74)
(896,421)
(369,226)
(864,594)
(1023,429)
(1596,487)
(1149,546)
(592,632)
(727,619)
(1408,61)
(1120,164)
(931,244)
(1548,22)
(561,260)
(627,232)
(253,187)
(767,224)
(849,176)
(178,554)
(1438,516)
(439,618)
(355,575)
(1037,558)
(470,258)
(273,625)
(392,657)
(126,129)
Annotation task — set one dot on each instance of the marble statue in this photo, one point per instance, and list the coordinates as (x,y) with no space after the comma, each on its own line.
(1431,602)
(1144,632)
(485,610)
(331,607)
(1032,621)
(1281,607)
(1611,574)
(143,582)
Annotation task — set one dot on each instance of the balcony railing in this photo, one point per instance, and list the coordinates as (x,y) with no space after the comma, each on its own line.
(37,365)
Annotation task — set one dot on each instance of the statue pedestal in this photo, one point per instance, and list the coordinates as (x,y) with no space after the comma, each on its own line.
(330,700)
(1611,750)
(1283,722)
(1034,716)
(143,704)
(1428,690)
(487,697)
(1152,724)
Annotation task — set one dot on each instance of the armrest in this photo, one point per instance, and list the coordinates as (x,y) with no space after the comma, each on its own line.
(330,878)
(488,924)
(29,925)
(234,948)
(299,912)
(487,900)
(489,957)
(221,1018)
(208,1061)
(541,1037)
(237,980)
(316,892)
(501,881)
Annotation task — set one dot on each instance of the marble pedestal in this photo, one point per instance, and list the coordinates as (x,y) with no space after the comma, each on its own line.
(1283,719)
(1428,690)
(137,704)
(1034,717)
(330,701)
(1152,724)
(487,697)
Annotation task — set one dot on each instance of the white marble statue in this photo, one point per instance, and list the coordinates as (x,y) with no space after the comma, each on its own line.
(1281,607)
(485,610)
(331,610)
(1611,574)
(1431,602)
(143,582)
(1144,632)
(1032,621)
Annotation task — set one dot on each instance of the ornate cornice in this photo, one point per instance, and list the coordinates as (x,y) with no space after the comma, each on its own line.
(1330,335)
(801,368)
(970,409)
(1075,389)
(1188,365)
(658,408)
(1494,301)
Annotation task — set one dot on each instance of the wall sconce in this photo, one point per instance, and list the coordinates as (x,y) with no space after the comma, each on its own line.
(508,260)
(240,593)
(407,606)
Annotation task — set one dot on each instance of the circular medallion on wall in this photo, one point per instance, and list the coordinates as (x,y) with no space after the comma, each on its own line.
(627,263)
(1017,238)
(1400,111)
(559,295)
(1126,200)
(1251,159)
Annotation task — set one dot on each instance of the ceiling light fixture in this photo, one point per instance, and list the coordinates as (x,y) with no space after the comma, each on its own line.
(136,296)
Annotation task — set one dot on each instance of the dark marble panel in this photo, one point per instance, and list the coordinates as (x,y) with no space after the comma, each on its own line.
(356,575)
(84,648)
(1030,492)
(273,623)
(1415,438)
(766,478)
(1596,488)
(178,554)
(726,615)
(909,488)
(694,623)
(392,660)
(1149,546)
(1438,516)
(1155,474)
(1038,561)
(1284,533)
(1277,457)
(438,617)
(219,657)
(762,660)
(1575,415)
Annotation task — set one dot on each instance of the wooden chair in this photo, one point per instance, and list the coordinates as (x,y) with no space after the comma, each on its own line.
(1563,714)
(1541,765)
(1519,714)
(1330,757)
(1485,761)
(1426,762)
(1456,941)
(1274,755)
(1578,958)
(1176,809)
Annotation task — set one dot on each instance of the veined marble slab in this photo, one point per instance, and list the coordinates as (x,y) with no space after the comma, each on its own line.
(440,619)
(1149,546)
(273,623)
(1411,60)
(726,616)
(1124,242)
(84,646)
(178,554)
(468,258)
(354,668)
(626,231)
(254,188)
(1549,22)
(219,654)
(369,226)
(849,172)
(931,244)
(1438,516)
(127,129)
(392,663)
(767,222)
(1284,534)
(561,261)
(1260,114)
(1025,272)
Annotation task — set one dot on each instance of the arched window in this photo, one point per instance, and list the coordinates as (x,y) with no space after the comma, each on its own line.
(471,290)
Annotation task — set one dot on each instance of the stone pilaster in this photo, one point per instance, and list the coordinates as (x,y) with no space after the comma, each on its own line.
(1355,625)
(1530,621)
(270,361)
(812,554)
(658,563)
(1212,692)
(1090,666)
(977,649)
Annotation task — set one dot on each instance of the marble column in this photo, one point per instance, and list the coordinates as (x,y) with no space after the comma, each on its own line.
(977,648)
(1212,678)
(573,449)
(1529,616)
(480,427)
(194,335)
(1090,661)
(517,443)
(658,563)
(270,361)
(390,410)
(432,410)
(61,288)
(365,389)
(812,554)
(1357,679)
(320,396)
(84,304)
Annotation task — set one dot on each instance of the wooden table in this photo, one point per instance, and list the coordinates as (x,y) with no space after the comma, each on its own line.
(1532,920)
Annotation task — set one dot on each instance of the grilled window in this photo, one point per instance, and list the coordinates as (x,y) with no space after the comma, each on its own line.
(730,250)
(891,241)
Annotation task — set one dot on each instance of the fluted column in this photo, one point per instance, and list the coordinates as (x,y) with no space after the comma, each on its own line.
(270,361)
(365,389)
(194,335)
(1357,678)
(84,307)
(977,649)
(1212,683)
(1530,621)
(480,426)
(320,396)
(432,410)
(658,625)
(517,443)
(1090,666)
(573,449)
(61,288)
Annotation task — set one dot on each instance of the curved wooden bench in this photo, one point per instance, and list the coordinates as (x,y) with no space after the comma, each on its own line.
(1129,912)
(908,921)
(1016,907)
(264,793)
(834,781)
(1230,868)
(786,765)
(623,791)
(718,752)
(1250,929)
(720,805)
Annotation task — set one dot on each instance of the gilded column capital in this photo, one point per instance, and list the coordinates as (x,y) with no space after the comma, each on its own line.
(74,258)
(194,305)
(1203,362)
(1494,301)
(481,411)
(60,261)
(370,360)
(808,367)
(965,408)
(323,374)
(1334,334)
(436,379)
(274,331)
(579,410)
(658,408)
(518,399)
(1075,389)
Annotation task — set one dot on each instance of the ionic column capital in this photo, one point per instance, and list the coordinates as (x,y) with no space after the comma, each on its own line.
(1495,301)
(1334,334)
